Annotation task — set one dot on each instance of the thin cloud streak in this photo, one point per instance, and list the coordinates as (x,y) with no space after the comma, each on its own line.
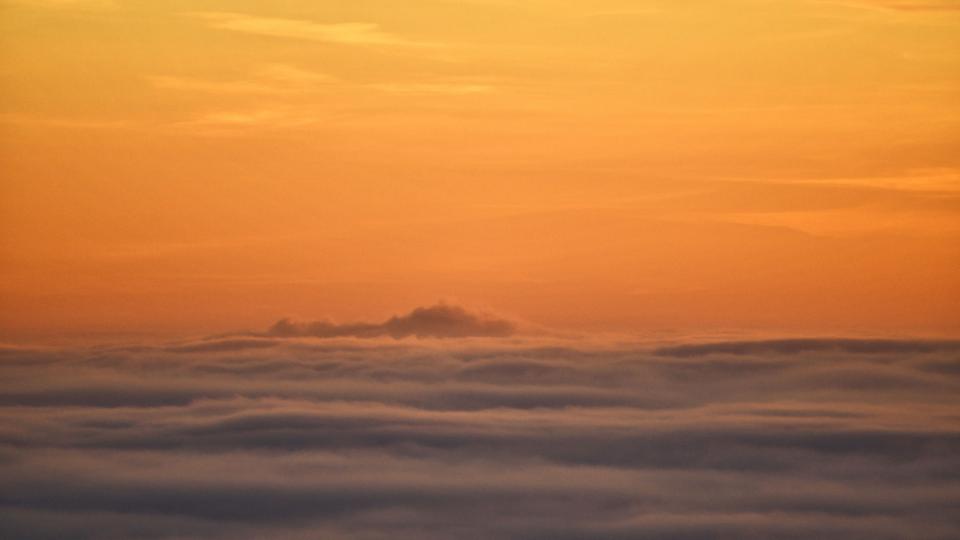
(902,5)
(347,33)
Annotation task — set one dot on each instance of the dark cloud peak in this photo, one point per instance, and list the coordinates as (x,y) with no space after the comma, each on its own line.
(438,321)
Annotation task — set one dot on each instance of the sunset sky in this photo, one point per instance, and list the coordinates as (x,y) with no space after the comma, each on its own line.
(479,269)
(203,166)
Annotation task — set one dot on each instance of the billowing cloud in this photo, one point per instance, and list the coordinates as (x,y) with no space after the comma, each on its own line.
(439,321)
(524,438)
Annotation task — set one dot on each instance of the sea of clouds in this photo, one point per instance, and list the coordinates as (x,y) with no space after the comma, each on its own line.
(443,424)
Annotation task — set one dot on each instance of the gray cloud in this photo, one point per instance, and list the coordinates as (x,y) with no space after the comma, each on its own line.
(439,321)
(795,346)
(222,345)
(365,437)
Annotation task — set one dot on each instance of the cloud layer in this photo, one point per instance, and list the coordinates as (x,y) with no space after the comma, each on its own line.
(374,438)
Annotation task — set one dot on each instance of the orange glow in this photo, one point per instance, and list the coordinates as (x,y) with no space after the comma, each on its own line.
(619,165)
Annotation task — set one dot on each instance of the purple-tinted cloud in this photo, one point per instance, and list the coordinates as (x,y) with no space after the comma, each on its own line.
(439,321)
(298,437)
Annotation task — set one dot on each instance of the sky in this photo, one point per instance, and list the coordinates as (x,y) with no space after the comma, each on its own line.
(758,166)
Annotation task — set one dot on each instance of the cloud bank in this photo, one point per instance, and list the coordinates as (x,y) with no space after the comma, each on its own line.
(439,321)
(361,437)
(796,346)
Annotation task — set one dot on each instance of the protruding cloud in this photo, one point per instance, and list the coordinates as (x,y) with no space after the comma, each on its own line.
(347,33)
(439,321)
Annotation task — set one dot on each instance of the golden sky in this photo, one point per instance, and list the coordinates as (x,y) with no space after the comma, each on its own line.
(175,166)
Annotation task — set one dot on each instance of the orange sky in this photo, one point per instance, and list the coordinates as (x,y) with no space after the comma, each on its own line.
(201,166)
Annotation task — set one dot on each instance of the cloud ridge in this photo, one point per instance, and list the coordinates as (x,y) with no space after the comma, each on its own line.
(438,321)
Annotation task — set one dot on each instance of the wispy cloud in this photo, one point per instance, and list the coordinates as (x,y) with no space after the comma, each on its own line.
(902,5)
(60,4)
(288,74)
(267,117)
(214,87)
(639,11)
(266,86)
(20,119)
(269,79)
(346,33)
(287,79)
(434,88)
(944,180)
